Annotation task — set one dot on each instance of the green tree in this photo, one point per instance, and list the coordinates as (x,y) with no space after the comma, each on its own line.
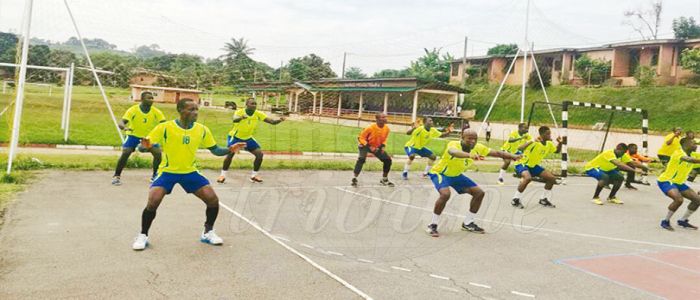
(685,28)
(545,71)
(149,51)
(8,47)
(593,71)
(432,66)
(309,67)
(355,73)
(236,48)
(690,60)
(391,73)
(121,65)
(503,49)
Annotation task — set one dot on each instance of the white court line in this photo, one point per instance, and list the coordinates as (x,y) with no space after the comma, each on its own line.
(380,270)
(439,277)
(305,187)
(530,227)
(335,253)
(522,294)
(451,289)
(306,246)
(302,256)
(282,238)
(365,260)
(480,285)
(400,269)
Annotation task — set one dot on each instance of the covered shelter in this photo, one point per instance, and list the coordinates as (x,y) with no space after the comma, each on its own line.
(164,94)
(402,99)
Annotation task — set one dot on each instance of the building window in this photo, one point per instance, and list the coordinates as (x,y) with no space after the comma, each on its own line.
(455,69)
(655,58)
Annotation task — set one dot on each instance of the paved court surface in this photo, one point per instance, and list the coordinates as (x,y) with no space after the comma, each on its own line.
(308,234)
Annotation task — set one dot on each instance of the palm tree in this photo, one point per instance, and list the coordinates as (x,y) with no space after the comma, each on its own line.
(236,48)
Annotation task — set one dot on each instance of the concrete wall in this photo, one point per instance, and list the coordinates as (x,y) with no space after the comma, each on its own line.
(620,63)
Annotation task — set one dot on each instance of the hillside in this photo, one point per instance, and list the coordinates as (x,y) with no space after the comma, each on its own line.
(668,106)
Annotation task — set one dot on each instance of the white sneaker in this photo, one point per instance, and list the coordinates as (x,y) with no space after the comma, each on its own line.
(211,238)
(140,242)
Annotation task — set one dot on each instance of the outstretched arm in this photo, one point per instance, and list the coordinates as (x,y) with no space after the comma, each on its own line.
(221,151)
(504,154)
(559,141)
(691,160)
(273,121)
(122,124)
(620,165)
(635,164)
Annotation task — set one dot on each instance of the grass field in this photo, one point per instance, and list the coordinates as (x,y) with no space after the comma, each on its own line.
(92,125)
(668,106)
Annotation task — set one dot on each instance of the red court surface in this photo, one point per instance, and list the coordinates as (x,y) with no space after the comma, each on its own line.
(667,274)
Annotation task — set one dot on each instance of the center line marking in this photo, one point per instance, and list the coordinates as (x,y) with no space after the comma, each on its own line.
(451,289)
(335,253)
(522,294)
(439,277)
(400,269)
(365,260)
(480,285)
(299,254)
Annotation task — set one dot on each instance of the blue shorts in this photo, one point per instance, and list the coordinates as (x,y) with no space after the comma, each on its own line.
(133,142)
(460,183)
(534,171)
(666,186)
(424,152)
(190,182)
(598,173)
(250,144)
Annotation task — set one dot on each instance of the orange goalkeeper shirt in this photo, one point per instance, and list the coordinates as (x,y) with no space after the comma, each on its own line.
(374,136)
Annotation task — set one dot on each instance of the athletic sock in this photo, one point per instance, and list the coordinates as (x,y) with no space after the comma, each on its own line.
(427,169)
(469,218)
(687,214)
(406,167)
(211,213)
(669,215)
(547,194)
(518,195)
(146,220)
(223,173)
(436,219)
(253,174)
(501,173)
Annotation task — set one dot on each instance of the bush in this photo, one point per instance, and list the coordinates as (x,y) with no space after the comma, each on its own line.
(592,71)
(645,75)
(690,60)
(534,81)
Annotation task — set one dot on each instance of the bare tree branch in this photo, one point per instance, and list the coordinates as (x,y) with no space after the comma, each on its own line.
(647,21)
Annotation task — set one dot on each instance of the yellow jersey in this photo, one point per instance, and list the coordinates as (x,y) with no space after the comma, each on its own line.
(180,145)
(536,152)
(513,147)
(142,123)
(677,170)
(669,150)
(603,161)
(421,136)
(246,127)
(451,166)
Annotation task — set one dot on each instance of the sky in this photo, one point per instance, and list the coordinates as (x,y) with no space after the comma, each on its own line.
(378,34)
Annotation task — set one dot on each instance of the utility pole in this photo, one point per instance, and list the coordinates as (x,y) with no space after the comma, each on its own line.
(525,46)
(464,62)
(345,56)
